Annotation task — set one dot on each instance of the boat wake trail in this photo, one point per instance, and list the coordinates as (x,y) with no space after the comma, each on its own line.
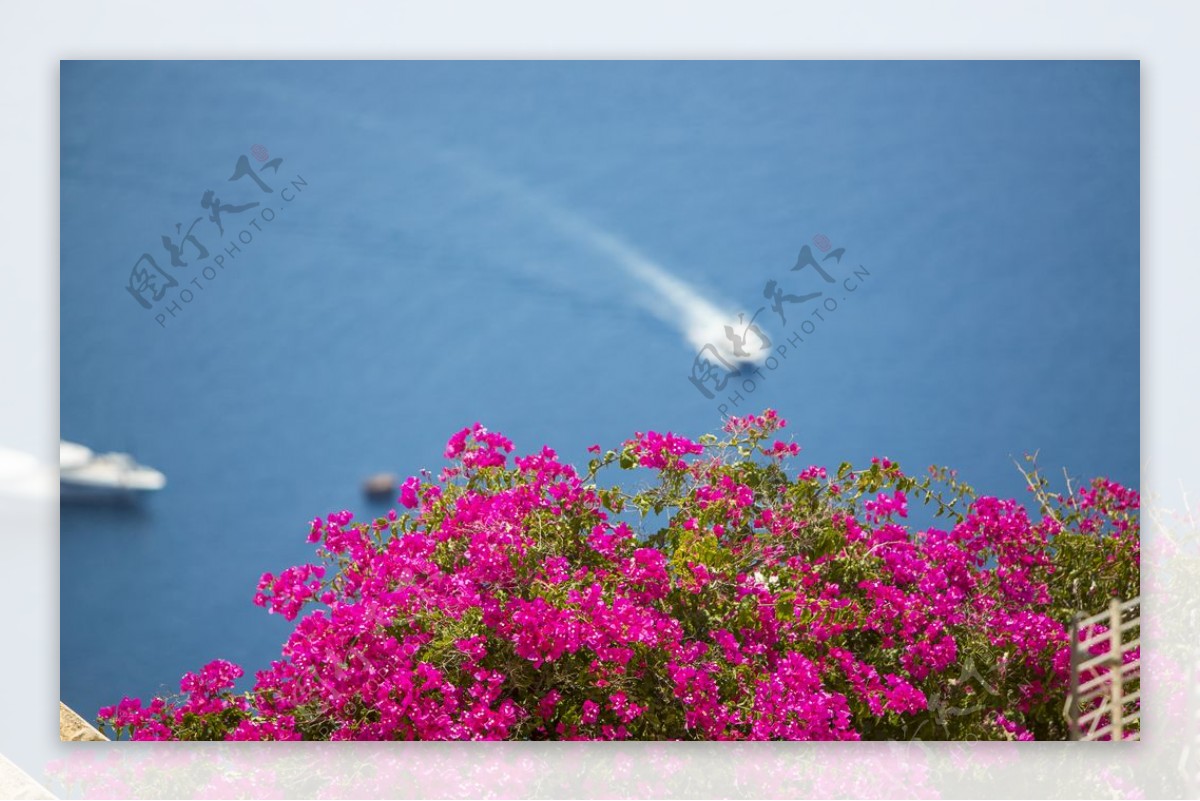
(670,298)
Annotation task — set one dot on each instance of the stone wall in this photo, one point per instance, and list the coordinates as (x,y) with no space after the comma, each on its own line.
(73,728)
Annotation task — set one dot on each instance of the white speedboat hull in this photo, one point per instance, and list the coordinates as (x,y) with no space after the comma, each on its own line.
(86,475)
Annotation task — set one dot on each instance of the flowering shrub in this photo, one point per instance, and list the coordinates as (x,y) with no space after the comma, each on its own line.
(728,598)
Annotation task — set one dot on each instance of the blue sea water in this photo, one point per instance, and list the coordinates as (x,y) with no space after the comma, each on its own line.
(468,241)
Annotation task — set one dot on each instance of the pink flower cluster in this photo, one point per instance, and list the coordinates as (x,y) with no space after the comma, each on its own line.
(521,602)
(207,696)
(662,451)
(755,425)
(477,447)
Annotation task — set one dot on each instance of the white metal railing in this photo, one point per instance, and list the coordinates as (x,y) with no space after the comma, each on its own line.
(1104,701)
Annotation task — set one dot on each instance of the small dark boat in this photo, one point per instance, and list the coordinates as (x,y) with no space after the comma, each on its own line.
(381,486)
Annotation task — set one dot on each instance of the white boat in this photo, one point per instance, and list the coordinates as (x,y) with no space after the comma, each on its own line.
(85,474)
